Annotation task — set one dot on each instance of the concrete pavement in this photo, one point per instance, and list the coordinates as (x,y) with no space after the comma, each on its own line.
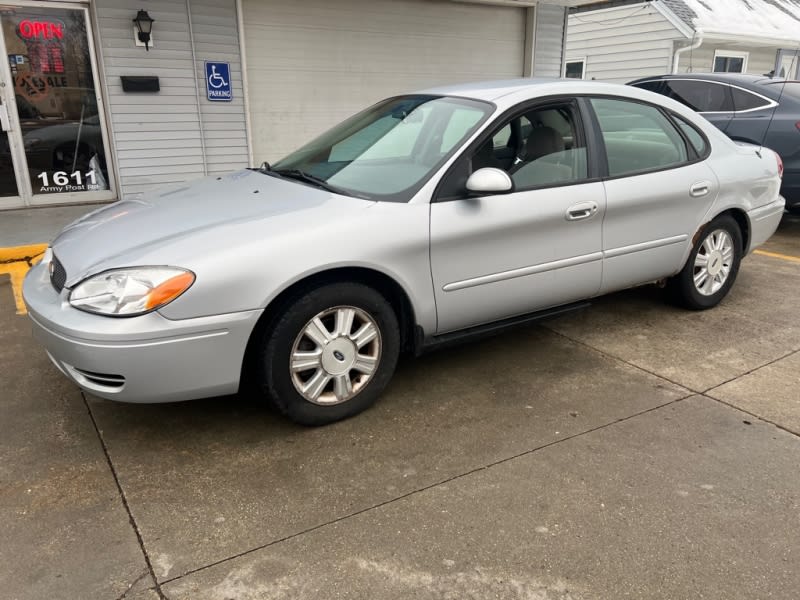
(632,450)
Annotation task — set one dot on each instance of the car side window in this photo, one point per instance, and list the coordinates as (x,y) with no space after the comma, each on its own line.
(700,96)
(542,148)
(743,100)
(637,137)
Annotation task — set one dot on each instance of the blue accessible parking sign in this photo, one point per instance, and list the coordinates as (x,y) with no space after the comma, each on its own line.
(218,81)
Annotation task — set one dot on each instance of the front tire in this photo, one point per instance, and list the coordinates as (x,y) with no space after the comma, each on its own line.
(712,266)
(330,354)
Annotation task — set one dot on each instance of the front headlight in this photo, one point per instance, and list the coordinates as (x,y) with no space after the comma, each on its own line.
(131,291)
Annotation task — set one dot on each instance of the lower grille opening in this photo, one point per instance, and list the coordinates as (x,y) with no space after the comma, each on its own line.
(104,379)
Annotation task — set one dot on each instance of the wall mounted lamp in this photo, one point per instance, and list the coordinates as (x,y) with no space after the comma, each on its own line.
(144,26)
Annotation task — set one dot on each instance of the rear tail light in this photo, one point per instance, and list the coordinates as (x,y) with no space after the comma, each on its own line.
(797,124)
(780,165)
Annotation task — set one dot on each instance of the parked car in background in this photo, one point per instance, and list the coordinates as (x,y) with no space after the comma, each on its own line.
(422,220)
(748,108)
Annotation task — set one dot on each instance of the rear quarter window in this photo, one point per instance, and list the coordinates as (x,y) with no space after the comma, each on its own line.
(744,100)
(696,139)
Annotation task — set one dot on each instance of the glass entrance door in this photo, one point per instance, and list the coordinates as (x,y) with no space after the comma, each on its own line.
(57,134)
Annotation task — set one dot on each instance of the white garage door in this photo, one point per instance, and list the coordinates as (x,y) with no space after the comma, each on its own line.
(311,63)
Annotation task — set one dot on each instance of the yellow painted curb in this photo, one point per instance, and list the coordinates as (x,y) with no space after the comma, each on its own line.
(788,257)
(15,262)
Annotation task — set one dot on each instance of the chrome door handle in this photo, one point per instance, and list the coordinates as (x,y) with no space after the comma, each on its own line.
(584,210)
(5,125)
(699,189)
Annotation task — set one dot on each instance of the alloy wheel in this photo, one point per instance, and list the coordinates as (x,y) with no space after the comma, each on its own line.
(713,262)
(335,355)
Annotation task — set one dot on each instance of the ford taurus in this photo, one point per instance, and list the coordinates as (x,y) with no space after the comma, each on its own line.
(424,219)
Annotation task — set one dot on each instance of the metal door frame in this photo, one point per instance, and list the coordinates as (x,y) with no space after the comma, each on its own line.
(794,54)
(26,196)
(14,135)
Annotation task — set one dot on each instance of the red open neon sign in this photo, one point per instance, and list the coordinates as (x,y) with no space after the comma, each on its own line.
(48,30)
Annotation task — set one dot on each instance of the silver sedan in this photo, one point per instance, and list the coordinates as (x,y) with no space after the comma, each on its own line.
(424,219)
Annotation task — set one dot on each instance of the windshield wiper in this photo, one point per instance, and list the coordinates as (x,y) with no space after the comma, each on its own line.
(312,179)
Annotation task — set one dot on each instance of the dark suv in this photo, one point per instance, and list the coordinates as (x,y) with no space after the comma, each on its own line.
(743,106)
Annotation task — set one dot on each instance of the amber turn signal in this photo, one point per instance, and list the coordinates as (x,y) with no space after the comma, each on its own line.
(169,290)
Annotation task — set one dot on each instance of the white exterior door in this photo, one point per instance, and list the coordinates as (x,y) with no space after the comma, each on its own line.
(311,66)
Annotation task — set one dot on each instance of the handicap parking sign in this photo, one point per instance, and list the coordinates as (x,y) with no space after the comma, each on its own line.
(218,81)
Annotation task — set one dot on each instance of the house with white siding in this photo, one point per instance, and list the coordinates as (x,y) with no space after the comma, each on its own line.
(625,39)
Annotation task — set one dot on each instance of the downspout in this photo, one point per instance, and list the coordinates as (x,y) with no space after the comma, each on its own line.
(563,66)
(693,46)
(245,87)
(197,90)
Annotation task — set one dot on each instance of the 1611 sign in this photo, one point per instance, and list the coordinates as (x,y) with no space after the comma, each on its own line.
(69,182)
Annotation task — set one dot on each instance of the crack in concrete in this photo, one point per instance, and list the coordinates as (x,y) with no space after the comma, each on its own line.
(144,574)
(704,393)
(708,392)
(753,370)
(124,499)
(620,359)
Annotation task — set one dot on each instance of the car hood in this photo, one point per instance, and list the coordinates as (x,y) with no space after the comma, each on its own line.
(175,223)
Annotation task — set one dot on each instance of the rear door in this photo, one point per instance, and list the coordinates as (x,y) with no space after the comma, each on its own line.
(658,191)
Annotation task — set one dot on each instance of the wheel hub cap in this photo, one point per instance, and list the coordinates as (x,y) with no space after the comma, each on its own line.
(714,262)
(339,356)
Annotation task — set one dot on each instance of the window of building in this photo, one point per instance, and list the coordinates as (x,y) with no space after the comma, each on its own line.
(575,69)
(726,61)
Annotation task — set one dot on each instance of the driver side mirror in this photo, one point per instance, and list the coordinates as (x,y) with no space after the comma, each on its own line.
(489,180)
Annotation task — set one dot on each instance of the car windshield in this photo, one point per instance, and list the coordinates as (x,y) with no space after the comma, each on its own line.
(388,151)
(788,88)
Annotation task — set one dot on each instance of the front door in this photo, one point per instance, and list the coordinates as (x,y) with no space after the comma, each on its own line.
(53,148)
(501,256)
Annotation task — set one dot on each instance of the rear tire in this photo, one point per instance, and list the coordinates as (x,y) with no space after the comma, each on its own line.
(329,354)
(712,266)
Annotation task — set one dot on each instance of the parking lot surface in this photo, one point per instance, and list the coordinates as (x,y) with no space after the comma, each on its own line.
(631,450)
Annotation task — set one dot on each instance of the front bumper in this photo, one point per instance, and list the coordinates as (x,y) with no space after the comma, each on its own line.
(764,221)
(148,358)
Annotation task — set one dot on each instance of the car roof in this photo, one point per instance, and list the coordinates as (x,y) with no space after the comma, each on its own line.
(518,89)
(771,87)
(739,78)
